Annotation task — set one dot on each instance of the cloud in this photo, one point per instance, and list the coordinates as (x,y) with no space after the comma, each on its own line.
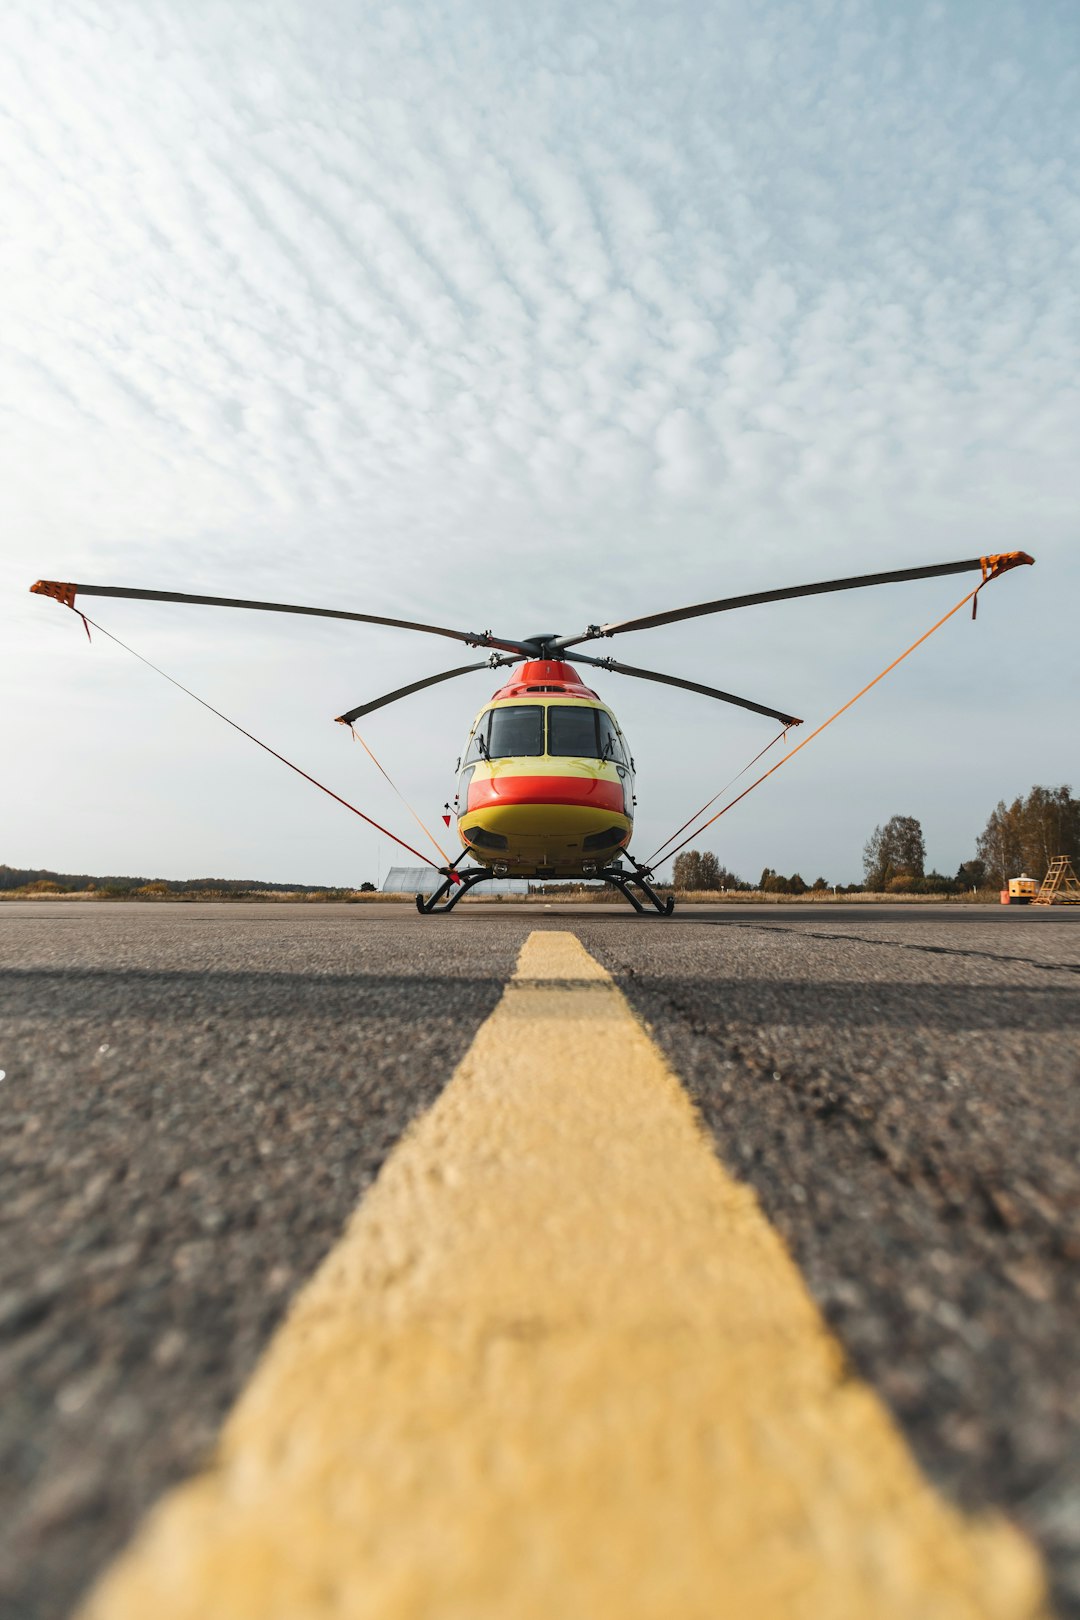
(429,301)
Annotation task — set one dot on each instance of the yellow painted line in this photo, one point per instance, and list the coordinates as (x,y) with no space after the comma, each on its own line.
(560,1367)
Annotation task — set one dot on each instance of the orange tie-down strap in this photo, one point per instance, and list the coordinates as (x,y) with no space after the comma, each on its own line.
(991,566)
(51,588)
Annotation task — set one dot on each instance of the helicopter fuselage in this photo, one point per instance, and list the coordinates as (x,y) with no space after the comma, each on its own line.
(547,780)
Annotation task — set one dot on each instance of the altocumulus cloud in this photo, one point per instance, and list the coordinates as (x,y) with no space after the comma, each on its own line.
(356,296)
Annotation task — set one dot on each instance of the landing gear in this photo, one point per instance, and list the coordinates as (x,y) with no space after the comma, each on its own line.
(437,905)
(620,879)
(429,906)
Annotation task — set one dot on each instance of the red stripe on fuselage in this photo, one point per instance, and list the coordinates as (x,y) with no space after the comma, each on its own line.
(593,791)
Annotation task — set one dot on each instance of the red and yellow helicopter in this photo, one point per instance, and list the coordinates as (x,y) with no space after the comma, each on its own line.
(546,784)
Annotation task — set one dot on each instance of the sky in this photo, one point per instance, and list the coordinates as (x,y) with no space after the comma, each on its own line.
(521,318)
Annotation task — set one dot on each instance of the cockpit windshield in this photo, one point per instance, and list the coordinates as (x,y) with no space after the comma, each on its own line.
(576,731)
(582,733)
(516,730)
(572,732)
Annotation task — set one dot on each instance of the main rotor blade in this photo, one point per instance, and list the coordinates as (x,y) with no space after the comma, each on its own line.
(691,686)
(415,686)
(725,604)
(68,593)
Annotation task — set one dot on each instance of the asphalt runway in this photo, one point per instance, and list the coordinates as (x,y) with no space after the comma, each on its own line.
(196,1096)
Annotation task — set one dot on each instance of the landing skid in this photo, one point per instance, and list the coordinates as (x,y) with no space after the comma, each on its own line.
(639,877)
(436,905)
(430,907)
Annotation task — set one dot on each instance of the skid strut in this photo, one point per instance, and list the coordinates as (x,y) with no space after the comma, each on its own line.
(620,879)
(467,880)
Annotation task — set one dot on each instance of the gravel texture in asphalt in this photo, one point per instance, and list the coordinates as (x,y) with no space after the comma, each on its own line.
(903,1093)
(195,1099)
(196,1096)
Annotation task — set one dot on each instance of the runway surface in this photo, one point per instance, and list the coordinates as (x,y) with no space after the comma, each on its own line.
(196,1097)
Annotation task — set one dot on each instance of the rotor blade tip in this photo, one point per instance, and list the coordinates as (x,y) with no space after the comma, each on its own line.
(56,589)
(1000,562)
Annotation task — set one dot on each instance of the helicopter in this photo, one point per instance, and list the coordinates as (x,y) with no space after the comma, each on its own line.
(546,781)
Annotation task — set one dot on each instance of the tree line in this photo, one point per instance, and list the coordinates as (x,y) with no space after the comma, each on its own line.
(701,870)
(44,880)
(1026,835)
(1021,837)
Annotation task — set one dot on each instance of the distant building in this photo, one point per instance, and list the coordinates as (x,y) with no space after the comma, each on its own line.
(425,880)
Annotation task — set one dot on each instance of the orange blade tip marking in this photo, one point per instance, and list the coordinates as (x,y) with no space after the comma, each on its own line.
(54,588)
(1001,561)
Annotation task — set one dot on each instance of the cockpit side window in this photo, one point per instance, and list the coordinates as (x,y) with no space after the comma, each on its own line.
(611,746)
(516,730)
(477,748)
